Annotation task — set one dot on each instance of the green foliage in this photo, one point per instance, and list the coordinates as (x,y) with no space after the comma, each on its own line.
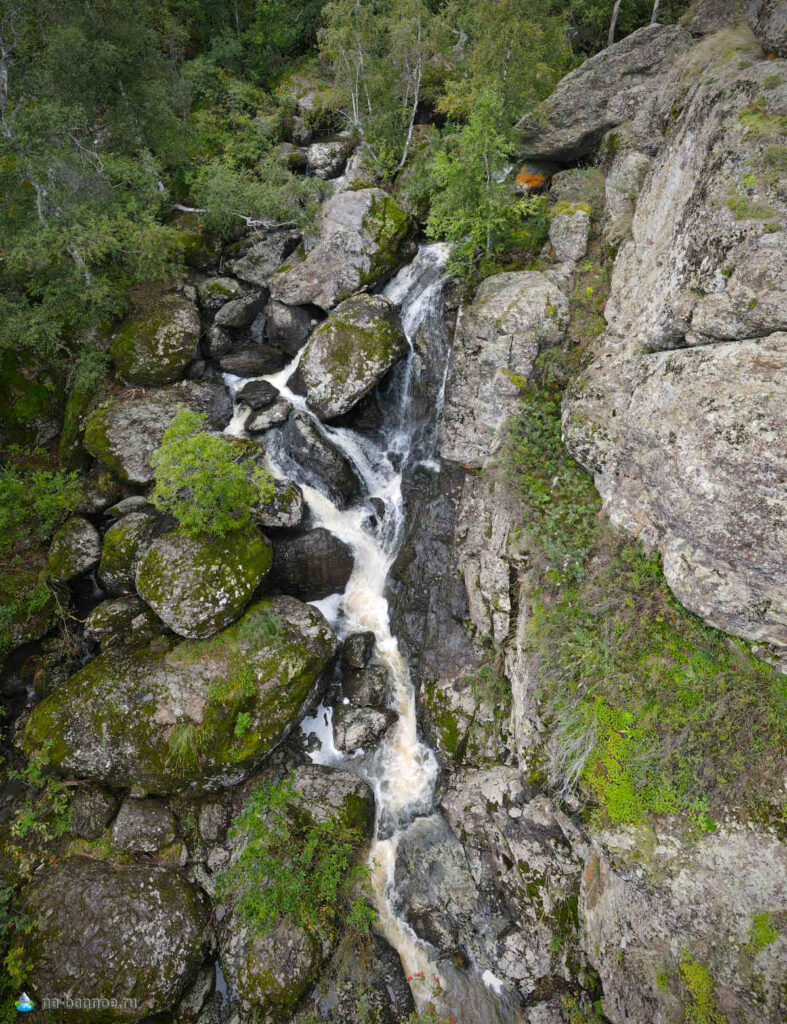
(653,711)
(745,208)
(763,932)
(589,20)
(200,480)
(41,817)
(471,204)
(291,865)
(186,742)
(559,501)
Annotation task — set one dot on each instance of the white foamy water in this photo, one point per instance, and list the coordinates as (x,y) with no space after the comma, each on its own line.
(403,769)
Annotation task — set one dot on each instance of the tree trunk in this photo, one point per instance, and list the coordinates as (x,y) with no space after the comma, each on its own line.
(613,23)
(655,12)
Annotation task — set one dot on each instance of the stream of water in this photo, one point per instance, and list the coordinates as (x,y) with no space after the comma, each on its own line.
(403,769)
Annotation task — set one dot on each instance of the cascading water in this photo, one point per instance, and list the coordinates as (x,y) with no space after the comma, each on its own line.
(403,770)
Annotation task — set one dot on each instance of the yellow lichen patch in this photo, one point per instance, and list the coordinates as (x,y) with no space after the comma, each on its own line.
(530,180)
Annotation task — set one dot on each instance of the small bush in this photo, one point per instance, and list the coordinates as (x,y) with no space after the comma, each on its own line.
(290,865)
(200,481)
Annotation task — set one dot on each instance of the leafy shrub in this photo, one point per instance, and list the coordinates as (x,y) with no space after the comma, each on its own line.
(291,865)
(200,481)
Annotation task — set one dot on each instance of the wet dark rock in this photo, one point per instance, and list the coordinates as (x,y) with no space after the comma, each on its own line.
(330,471)
(360,728)
(258,394)
(92,809)
(366,415)
(143,826)
(241,312)
(288,327)
(264,419)
(357,649)
(253,361)
(366,687)
(217,341)
(311,565)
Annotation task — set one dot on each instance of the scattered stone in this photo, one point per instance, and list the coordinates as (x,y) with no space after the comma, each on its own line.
(92,809)
(218,341)
(568,235)
(274,416)
(213,821)
(288,327)
(350,352)
(110,622)
(134,503)
(198,585)
(75,549)
(241,312)
(264,258)
(312,565)
(214,292)
(258,394)
(253,361)
(286,509)
(327,159)
(143,826)
(357,649)
(360,728)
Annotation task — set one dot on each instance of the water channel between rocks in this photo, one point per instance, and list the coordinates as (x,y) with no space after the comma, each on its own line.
(403,770)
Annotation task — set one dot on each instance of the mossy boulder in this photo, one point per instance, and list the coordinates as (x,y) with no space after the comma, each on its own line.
(75,548)
(156,346)
(112,933)
(364,237)
(125,431)
(29,609)
(167,718)
(125,542)
(111,621)
(350,352)
(199,584)
(213,292)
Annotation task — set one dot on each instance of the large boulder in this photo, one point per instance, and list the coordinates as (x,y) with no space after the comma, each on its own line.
(124,941)
(348,354)
(242,311)
(610,88)
(111,621)
(364,237)
(513,317)
(253,361)
(164,718)
(299,441)
(199,584)
(682,415)
(75,548)
(312,565)
(288,326)
(156,346)
(768,21)
(126,430)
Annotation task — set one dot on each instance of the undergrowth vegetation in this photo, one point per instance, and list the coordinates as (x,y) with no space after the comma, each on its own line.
(653,711)
(296,865)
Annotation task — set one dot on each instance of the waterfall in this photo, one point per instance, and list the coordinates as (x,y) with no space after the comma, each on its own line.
(403,770)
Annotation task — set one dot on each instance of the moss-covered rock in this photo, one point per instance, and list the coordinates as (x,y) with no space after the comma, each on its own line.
(111,933)
(166,718)
(75,548)
(111,621)
(125,431)
(349,353)
(29,608)
(198,585)
(156,346)
(125,542)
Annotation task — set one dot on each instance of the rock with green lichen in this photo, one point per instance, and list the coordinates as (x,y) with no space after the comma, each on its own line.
(200,584)
(110,622)
(349,353)
(125,431)
(29,607)
(214,292)
(164,717)
(125,542)
(33,400)
(104,932)
(156,346)
(75,548)
(363,238)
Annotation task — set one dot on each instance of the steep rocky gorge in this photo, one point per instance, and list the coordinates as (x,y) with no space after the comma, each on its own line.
(380,611)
